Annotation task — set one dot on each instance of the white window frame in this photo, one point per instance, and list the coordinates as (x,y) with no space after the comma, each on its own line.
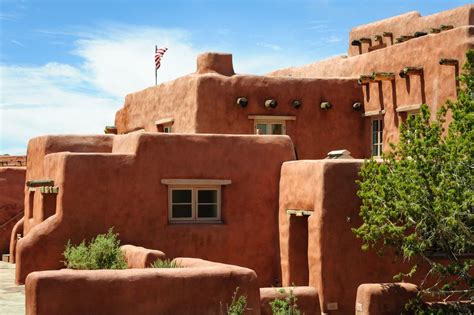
(195,185)
(166,124)
(379,142)
(270,120)
(194,203)
(269,126)
(167,128)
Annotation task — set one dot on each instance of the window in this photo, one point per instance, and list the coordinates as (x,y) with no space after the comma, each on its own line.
(194,200)
(270,125)
(194,204)
(269,128)
(164,125)
(377,136)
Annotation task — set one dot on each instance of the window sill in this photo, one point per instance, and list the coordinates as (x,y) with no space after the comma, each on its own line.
(195,222)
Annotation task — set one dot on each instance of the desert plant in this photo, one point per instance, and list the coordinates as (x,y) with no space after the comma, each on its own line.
(287,306)
(102,252)
(165,263)
(238,304)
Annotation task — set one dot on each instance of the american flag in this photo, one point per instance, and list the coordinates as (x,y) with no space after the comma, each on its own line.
(158,55)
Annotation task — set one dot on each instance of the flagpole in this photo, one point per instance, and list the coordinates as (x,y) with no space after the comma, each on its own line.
(156,76)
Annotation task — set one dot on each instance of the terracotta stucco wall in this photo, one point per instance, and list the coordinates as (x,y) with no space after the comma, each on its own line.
(175,99)
(123,189)
(38,148)
(314,131)
(199,287)
(434,87)
(408,24)
(336,263)
(12,182)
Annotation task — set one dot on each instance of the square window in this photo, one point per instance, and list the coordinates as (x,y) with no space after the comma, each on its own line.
(269,128)
(194,204)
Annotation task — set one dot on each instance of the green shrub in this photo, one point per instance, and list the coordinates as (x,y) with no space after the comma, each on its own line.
(238,304)
(287,306)
(103,252)
(165,263)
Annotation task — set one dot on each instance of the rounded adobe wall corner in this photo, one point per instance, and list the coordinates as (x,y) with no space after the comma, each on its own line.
(212,62)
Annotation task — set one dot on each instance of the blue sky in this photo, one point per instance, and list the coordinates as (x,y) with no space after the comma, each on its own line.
(66,66)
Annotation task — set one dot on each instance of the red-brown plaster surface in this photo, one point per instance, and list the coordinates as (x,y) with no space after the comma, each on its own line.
(12,183)
(38,148)
(408,24)
(124,190)
(206,103)
(384,298)
(141,257)
(17,229)
(198,287)
(336,263)
(315,131)
(175,99)
(434,87)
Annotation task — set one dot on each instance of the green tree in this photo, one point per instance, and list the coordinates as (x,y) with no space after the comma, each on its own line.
(419,199)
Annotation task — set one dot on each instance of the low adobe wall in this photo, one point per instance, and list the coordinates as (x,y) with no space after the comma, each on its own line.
(199,287)
(124,189)
(384,298)
(306,299)
(140,257)
(319,248)
(12,183)
(16,231)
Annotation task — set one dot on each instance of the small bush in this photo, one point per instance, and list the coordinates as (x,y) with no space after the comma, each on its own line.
(287,306)
(103,252)
(166,263)
(238,304)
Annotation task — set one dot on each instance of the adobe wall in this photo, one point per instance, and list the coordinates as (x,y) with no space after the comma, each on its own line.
(384,298)
(12,160)
(333,261)
(38,148)
(205,102)
(12,183)
(175,99)
(123,189)
(199,287)
(314,131)
(433,87)
(408,24)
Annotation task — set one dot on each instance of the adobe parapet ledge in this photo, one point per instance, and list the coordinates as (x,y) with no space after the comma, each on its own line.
(212,62)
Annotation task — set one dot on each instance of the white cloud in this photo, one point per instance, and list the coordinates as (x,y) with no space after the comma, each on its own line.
(270,46)
(333,39)
(121,60)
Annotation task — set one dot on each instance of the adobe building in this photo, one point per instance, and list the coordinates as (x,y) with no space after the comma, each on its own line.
(12,185)
(355,102)
(230,168)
